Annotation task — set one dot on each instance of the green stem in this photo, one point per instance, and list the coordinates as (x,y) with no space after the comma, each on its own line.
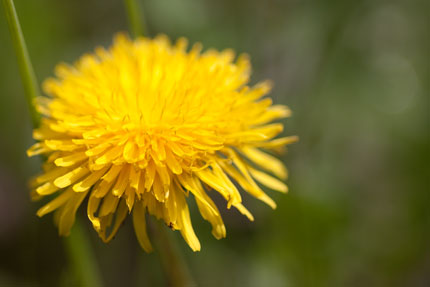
(174,266)
(25,68)
(135,18)
(82,257)
(78,245)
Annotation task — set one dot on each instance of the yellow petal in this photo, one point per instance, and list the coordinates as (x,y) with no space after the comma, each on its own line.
(92,207)
(68,213)
(159,150)
(63,145)
(206,206)
(149,175)
(242,209)
(110,155)
(194,185)
(164,176)
(52,174)
(37,148)
(122,182)
(268,181)
(130,152)
(249,185)
(102,188)
(97,149)
(171,207)
(139,223)
(158,189)
(231,195)
(218,227)
(112,173)
(129,197)
(184,222)
(71,177)
(244,179)
(273,113)
(109,205)
(134,177)
(266,161)
(120,215)
(172,162)
(276,143)
(233,192)
(70,159)
(47,188)
(141,186)
(89,180)
(55,203)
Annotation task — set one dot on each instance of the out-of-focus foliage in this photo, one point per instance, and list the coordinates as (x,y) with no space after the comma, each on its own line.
(356,75)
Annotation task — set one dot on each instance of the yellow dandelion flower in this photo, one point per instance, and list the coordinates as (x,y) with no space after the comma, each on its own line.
(138,127)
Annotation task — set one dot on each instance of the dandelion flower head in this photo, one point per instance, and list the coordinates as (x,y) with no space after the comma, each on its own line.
(139,127)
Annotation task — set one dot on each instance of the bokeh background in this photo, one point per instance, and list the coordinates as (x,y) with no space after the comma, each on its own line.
(356,75)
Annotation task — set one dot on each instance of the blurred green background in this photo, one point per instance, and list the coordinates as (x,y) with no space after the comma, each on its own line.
(355,74)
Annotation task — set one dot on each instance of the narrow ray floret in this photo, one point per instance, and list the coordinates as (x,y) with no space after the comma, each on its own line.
(138,127)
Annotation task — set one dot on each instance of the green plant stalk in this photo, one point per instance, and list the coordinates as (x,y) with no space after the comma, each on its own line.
(82,257)
(135,18)
(176,270)
(25,67)
(78,246)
